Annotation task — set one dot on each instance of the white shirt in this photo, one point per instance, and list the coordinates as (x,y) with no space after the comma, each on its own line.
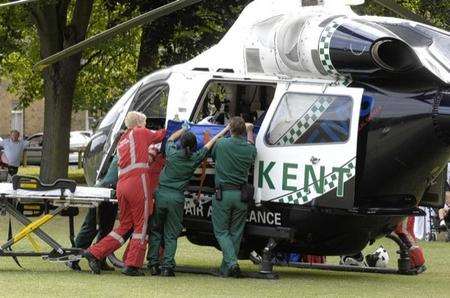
(13,151)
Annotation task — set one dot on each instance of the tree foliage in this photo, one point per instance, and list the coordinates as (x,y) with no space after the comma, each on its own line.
(105,71)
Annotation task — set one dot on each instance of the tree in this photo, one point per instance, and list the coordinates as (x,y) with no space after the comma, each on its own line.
(101,74)
(59,26)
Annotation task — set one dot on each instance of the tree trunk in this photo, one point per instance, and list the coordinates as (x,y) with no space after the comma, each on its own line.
(148,54)
(59,79)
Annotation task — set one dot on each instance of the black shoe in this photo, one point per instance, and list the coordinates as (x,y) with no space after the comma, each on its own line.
(168,272)
(94,264)
(154,270)
(105,267)
(235,271)
(74,265)
(132,271)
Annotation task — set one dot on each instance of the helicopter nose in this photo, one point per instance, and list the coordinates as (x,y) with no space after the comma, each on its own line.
(442,116)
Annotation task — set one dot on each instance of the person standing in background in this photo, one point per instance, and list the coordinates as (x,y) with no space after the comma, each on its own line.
(13,151)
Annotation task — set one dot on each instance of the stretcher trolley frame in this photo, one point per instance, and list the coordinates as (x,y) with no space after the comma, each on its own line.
(55,199)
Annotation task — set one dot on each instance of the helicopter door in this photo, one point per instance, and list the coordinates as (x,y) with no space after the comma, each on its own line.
(150,99)
(307,146)
(111,142)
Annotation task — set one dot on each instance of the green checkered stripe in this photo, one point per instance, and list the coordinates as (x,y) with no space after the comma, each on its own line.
(324,52)
(306,121)
(304,196)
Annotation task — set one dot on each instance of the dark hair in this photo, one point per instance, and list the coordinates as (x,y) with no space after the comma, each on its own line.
(237,126)
(188,143)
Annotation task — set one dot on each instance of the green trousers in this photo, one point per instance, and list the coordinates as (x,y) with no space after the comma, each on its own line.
(167,224)
(229,216)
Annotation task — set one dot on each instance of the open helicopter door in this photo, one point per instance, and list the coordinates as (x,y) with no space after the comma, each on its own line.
(148,97)
(112,139)
(307,146)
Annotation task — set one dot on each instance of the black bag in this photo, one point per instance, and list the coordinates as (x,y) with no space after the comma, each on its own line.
(247,193)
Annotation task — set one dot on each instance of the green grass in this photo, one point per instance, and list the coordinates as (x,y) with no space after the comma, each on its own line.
(41,278)
(74,173)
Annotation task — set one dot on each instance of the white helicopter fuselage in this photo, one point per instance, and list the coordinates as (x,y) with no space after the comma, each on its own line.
(332,95)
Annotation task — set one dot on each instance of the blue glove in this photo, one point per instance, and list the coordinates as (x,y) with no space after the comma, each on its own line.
(185,125)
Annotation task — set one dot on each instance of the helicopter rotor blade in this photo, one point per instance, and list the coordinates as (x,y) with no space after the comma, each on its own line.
(401,11)
(125,26)
(16,3)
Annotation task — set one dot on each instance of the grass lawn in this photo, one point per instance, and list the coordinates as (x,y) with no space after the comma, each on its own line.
(41,278)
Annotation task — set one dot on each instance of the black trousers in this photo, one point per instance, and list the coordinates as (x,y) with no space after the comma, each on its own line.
(107,213)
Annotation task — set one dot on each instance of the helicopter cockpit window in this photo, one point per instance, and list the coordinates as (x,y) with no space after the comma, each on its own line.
(310,119)
(223,100)
(153,103)
(112,116)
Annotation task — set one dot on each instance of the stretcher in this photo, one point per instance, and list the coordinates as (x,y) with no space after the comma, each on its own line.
(28,197)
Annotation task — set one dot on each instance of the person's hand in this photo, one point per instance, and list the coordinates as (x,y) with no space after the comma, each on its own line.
(249,126)
(185,125)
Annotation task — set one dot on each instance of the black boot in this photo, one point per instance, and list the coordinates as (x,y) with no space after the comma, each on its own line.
(105,267)
(132,271)
(167,272)
(94,264)
(235,271)
(74,265)
(154,270)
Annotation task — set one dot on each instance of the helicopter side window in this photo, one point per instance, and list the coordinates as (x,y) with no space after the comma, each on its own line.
(223,100)
(310,119)
(153,103)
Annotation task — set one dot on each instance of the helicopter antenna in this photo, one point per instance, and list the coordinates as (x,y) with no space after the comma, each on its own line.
(125,26)
(17,3)
(401,11)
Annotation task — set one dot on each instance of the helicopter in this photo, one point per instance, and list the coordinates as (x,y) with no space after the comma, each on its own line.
(353,115)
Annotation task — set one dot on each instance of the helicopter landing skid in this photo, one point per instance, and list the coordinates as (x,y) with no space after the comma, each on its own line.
(403,263)
(215,272)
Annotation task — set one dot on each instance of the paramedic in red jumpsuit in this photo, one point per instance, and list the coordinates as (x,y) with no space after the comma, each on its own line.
(133,195)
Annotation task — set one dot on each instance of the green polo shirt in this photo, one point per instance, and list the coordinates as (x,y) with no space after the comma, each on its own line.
(179,168)
(234,157)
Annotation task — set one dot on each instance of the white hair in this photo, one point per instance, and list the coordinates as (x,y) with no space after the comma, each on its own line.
(134,119)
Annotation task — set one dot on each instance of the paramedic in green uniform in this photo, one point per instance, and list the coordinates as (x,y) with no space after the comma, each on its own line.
(178,170)
(234,157)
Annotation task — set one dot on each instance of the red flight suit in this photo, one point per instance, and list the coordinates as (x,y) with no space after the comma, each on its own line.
(405,230)
(156,164)
(133,195)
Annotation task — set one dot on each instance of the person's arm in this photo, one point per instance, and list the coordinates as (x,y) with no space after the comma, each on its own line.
(176,135)
(250,138)
(158,136)
(209,145)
